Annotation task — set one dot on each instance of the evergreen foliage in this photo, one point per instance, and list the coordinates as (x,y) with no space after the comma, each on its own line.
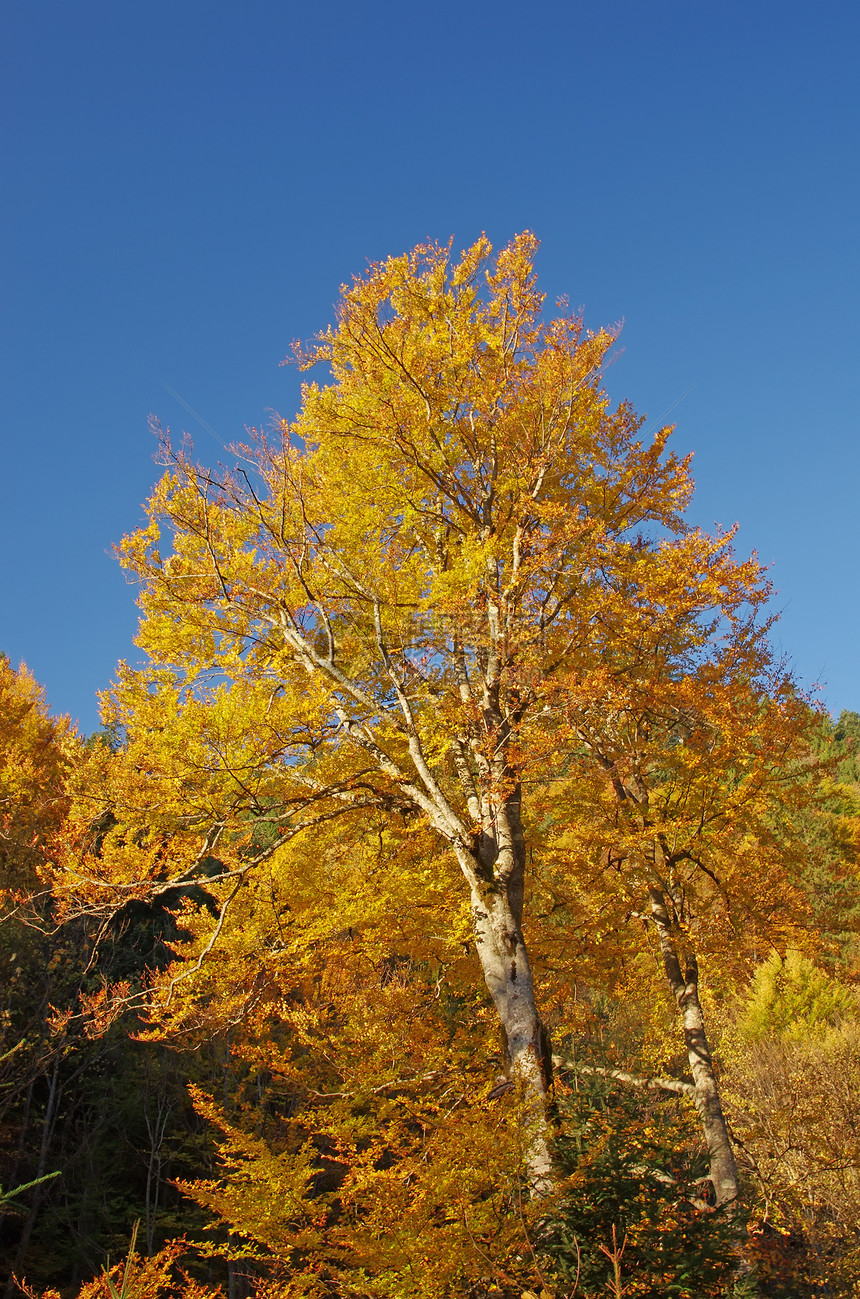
(638,1166)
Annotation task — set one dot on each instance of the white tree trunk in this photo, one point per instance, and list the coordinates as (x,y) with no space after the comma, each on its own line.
(506,969)
(685,987)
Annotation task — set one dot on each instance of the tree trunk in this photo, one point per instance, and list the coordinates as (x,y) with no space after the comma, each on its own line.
(508,976)
(495,872)
(685,987)
(54,1093)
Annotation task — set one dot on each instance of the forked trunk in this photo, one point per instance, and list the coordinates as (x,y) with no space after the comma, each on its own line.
(685,987)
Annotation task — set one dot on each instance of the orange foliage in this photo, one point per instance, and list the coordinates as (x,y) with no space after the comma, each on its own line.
(36,751)
(432,672)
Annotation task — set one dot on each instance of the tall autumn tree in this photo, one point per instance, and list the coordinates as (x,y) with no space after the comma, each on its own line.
(37,753)
(686,776)
(378,607)
(35,756)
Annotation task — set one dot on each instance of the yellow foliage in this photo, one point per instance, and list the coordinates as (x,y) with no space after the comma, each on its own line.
(440,688)
(36,752)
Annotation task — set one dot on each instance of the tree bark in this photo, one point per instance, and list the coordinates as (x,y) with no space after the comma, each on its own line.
(494,867)
(507,972)
(685,987)
(54,1093)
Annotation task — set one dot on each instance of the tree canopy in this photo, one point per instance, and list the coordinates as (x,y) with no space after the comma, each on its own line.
(452,730)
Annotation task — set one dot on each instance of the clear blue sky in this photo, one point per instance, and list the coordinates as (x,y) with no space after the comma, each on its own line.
(186,185)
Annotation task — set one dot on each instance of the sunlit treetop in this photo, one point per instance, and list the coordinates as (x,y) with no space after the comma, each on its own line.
(35,756)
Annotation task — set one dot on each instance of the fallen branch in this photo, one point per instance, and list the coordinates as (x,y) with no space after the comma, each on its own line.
(632,1080)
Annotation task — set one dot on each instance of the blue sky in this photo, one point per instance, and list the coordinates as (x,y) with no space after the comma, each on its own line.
(187,184)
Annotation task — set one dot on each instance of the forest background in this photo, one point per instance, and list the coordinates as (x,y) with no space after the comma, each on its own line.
(190,281)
